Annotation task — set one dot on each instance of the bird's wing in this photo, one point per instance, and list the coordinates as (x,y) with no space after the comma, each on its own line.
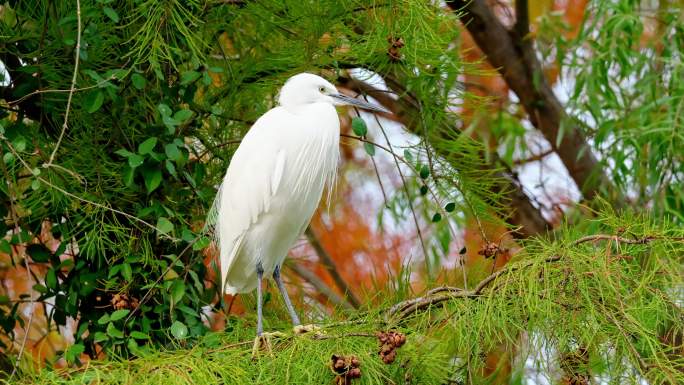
(253,178)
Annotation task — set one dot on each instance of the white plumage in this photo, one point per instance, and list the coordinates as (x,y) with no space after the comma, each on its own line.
(272,188)
(274,183)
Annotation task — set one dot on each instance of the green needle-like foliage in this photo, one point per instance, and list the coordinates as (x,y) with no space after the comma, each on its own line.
(606,299)
(163,92)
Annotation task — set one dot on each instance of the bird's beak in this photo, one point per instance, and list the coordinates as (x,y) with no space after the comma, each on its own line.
(342,99)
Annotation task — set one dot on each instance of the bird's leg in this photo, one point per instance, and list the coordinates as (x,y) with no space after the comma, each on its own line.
(286,298)
(259,341)
(262,339)
(298,327)
(260,315)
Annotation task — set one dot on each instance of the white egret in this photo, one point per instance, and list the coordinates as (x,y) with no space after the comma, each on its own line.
(274,183)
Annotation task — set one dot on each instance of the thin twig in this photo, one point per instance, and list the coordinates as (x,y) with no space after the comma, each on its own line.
(56,91)
(159,279)
(329,264)
(73,84)
(322,336)
(100,205)
(382,188)
(532,158)
(405,187)
(635,241)
(445,293)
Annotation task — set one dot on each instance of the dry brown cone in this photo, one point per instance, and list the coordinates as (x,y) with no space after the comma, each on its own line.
(122,301)
(389,343)
(346,369)
(395,45)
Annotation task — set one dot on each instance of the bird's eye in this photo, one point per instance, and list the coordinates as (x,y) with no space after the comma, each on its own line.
(321,89)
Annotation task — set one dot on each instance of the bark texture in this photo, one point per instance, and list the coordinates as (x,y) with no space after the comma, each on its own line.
(512,53)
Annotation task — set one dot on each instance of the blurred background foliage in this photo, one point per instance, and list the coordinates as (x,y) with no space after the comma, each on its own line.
(118,119)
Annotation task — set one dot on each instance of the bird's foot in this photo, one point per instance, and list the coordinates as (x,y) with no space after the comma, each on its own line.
(264,342)
(311,328)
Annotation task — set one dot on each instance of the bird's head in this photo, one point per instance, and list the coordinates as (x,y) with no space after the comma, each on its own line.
(307,88)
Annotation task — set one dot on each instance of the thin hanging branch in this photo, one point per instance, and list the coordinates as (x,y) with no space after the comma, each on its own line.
(73,85)
(405,187)
(525,216)
(329,264)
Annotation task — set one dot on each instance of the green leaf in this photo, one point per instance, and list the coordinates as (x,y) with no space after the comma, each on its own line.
(135,160)
(164,110)
(51,279)
(170,124)
(177,290)
(112,331)
(370,149)
(19,143)
(73,352)
(188,77)
(437,217)
(138,81)
(407,155)
(123,152)
(171,168)
(423,190)
(164,225)
(35,184)
(153,178)
(179,330)
(111,14)
(38,252)
(126,272)
(99,337)
(5,246)
(128,175)
(94,101)
(103,320)
(119,314)
(359,126)
(182,115)
(424,172)
(450,207)
(147,146)
(139,335)
(201,243)
(206,79)
(172,151)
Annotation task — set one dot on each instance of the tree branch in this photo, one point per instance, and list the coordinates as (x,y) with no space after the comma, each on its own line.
(73,84)
(522,19)
(444,293)
(405,109)
(332,269)
(513,55)
(319,285)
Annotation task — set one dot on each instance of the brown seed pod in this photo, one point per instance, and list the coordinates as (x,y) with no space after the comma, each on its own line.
(345,368)
(393,50)
(339,365)
(489,250)
(390,357)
